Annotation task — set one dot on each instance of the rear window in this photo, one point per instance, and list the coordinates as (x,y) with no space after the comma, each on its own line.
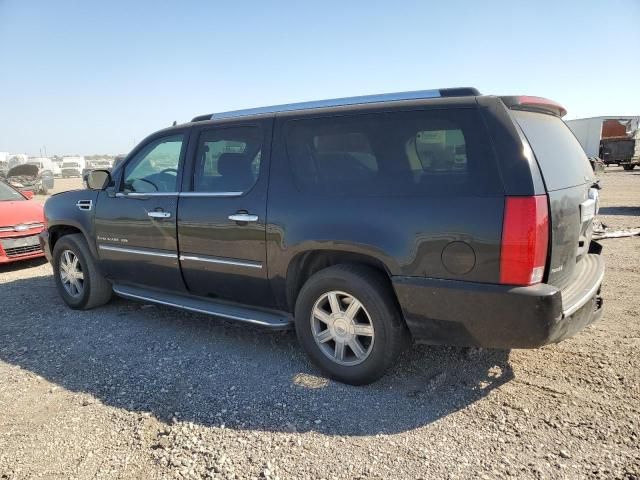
(560,156)
(435,152)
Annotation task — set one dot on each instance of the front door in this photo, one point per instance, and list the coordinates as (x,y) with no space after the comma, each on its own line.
(222,214)
(135,223)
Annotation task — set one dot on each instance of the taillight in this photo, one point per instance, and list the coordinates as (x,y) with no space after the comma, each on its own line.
(525,238)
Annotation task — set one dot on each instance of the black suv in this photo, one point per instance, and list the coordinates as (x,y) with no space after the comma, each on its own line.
(441,216)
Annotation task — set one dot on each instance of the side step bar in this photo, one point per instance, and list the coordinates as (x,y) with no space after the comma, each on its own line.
(273,320)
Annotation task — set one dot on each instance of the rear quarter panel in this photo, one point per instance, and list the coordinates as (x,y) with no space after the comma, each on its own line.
(406,233)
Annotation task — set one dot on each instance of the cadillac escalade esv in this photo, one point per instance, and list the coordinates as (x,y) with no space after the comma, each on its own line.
(439,216)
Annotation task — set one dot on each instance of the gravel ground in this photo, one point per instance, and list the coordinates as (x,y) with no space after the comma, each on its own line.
(137,391)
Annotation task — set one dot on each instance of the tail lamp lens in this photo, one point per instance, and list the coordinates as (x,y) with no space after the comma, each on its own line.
(525,239)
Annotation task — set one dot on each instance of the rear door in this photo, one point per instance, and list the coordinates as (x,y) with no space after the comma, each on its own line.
(568,177)
(222,213)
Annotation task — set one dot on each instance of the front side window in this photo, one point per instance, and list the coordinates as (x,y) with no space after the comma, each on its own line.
(155,167)
(440,152)
(228,160)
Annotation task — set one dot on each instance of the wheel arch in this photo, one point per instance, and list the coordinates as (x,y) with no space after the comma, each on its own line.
(304,264)
(57,231)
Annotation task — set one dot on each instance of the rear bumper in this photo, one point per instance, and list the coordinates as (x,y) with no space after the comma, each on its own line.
(449,312)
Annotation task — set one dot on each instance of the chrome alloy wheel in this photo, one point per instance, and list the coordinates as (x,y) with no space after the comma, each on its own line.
(342,328)
(71,274)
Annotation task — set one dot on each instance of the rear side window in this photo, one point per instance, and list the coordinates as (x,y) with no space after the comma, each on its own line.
(228,160)
(435,152)
(560,156)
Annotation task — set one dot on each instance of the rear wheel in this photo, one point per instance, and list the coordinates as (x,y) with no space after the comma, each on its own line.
(349,325)
(76,274)
(629,167)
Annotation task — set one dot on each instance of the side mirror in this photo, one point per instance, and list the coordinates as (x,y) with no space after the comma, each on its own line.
(28,194)
(98,179)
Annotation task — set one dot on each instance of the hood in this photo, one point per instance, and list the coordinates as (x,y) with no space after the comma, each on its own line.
(13,213)
(25,170)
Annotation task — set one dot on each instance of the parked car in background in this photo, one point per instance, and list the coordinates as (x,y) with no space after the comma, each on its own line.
(21,220)
(442,216)
(30,177)
(72,166)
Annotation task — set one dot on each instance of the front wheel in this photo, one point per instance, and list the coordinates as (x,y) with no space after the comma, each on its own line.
(76,274)
(349,325)
(629,167)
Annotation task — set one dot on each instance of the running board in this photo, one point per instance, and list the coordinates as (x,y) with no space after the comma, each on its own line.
(273,320)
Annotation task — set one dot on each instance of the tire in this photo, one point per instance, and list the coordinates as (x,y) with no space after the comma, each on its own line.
(629,167)
(379,311)
(43,190)
(95,289)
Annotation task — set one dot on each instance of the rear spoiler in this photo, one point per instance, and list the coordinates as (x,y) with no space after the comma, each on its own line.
(534,104)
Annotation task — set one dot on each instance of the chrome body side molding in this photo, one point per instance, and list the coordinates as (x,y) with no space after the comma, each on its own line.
(145,195)
(136,251)
(223,261)
(211,194)
(177,194)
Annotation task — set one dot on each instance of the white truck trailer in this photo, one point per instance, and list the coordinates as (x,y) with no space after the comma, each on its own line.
(615,139)
(73,166)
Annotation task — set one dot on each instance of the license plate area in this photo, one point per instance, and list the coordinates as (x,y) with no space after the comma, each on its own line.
(29,241)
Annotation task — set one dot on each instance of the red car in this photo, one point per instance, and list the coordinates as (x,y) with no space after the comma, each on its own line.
(20,223)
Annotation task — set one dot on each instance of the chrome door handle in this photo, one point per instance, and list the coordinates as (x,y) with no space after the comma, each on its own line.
(155,214)
(243,217)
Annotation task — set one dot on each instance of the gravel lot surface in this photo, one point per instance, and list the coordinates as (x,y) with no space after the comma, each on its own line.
(138,391)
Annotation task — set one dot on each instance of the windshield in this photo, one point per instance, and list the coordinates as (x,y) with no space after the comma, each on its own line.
(8,194)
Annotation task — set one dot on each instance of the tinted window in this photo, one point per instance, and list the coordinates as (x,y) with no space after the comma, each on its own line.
(560,156)
(443,152)
(155,167)
(228,160)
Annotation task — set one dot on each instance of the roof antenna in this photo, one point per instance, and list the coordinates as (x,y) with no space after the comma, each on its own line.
(174,123)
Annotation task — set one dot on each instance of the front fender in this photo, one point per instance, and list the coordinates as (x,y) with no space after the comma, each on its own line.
(62,210)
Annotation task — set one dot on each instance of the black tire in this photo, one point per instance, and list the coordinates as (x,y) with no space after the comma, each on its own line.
(96,290)
(629,167)
(372,290)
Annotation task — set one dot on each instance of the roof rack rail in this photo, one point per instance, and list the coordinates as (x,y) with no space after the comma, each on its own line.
(337,102)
